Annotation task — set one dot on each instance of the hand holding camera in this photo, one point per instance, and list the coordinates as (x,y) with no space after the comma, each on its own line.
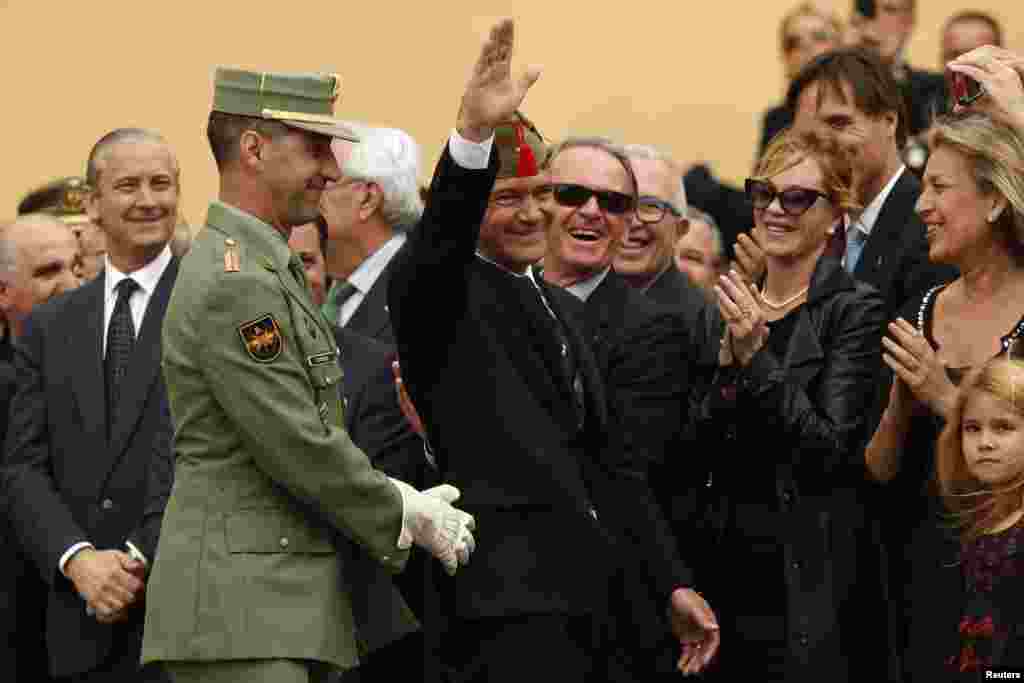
(989,80)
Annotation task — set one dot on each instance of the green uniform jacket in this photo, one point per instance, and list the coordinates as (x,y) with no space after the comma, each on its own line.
(265,474)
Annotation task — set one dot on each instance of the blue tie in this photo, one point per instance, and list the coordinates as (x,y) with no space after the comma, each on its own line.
(855,239)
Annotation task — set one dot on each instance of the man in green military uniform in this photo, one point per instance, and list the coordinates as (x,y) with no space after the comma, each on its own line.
(247,584)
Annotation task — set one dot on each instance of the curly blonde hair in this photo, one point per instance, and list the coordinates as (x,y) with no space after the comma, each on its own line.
(789,148)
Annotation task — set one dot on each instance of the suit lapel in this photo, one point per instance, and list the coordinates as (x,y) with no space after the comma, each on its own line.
(372,315)
(144,366)
(892,220)
(88,382)
(586,363)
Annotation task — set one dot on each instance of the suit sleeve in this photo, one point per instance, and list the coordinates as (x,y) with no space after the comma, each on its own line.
(427,292)
(273,405)
(380,428)
(159,482)
(40,519)
(647,384)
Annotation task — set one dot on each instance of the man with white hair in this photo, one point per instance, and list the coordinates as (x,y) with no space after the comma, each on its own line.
(368,212)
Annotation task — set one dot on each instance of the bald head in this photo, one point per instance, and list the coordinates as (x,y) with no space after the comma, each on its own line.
(38,256)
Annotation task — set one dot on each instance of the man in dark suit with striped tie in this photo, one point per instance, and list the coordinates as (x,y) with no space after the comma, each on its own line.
(87,466)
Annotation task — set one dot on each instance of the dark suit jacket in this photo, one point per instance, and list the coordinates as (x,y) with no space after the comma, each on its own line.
(791,433)
(22,594)
(376,424)
(895,257)
(372,318)
(483,365)
(373,418)
(674,290)
(647,354)
(65,482)
(924,95)
(775,119)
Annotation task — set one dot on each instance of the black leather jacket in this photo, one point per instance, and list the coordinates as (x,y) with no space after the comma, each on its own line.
(790,436)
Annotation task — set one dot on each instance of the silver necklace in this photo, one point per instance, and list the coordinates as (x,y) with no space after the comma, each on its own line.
(783,304)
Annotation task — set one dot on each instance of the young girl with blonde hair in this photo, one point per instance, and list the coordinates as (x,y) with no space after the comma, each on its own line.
(980,469)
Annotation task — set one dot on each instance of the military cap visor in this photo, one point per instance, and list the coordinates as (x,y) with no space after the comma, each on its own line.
(64,199)
(304,101)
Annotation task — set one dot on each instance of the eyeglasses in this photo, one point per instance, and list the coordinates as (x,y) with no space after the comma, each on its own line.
(794,201)
(569,194)
(652,210)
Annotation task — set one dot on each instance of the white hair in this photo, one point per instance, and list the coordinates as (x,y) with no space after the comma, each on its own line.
(390,158)
(654,154)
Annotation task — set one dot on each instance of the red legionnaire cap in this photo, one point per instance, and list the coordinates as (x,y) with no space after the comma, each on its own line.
(521,148)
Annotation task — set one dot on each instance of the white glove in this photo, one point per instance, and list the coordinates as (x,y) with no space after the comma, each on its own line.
(430,521)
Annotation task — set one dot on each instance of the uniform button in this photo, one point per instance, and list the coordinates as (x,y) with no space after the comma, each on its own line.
(803,639)
(107,504)
(787,497)
(385,558)
(796,565)
(284,542)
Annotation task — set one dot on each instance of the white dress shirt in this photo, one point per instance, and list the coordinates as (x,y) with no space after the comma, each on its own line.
(366,274)
(147,279)
(865,223)
(584,288)
(471,156)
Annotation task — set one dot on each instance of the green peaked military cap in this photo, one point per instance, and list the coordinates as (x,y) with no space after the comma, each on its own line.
(63,198)
(299,100)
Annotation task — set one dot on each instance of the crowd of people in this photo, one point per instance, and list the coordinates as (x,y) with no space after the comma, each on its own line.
(575,411)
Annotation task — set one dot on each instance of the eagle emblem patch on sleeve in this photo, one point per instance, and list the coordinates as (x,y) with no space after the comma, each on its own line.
(262,338)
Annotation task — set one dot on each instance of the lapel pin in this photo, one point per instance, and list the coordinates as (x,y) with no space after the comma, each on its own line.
(232,261)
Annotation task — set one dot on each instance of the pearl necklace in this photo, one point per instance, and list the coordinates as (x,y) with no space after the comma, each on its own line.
(783,304)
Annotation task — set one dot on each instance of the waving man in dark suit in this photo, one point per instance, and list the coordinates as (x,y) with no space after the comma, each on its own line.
(513,406)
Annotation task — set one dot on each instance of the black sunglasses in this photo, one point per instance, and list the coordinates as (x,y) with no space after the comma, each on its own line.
(795,201)
(569,194)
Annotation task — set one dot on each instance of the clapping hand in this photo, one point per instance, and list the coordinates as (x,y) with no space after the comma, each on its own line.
(749,261)
(492,94)
(916,364)
(745,324)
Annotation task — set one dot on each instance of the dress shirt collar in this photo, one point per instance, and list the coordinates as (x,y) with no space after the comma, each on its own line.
(503,268)
(584,288)
(658,276)
(147,277)
(866,221)
(363,277)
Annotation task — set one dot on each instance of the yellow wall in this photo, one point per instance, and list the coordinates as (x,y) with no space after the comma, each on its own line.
(692,76)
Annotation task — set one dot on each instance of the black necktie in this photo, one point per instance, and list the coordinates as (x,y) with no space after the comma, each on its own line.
(120,341)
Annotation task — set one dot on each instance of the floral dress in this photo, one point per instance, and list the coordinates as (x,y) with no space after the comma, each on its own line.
(990,565)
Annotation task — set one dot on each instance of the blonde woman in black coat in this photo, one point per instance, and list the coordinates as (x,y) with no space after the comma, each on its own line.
(792,567)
